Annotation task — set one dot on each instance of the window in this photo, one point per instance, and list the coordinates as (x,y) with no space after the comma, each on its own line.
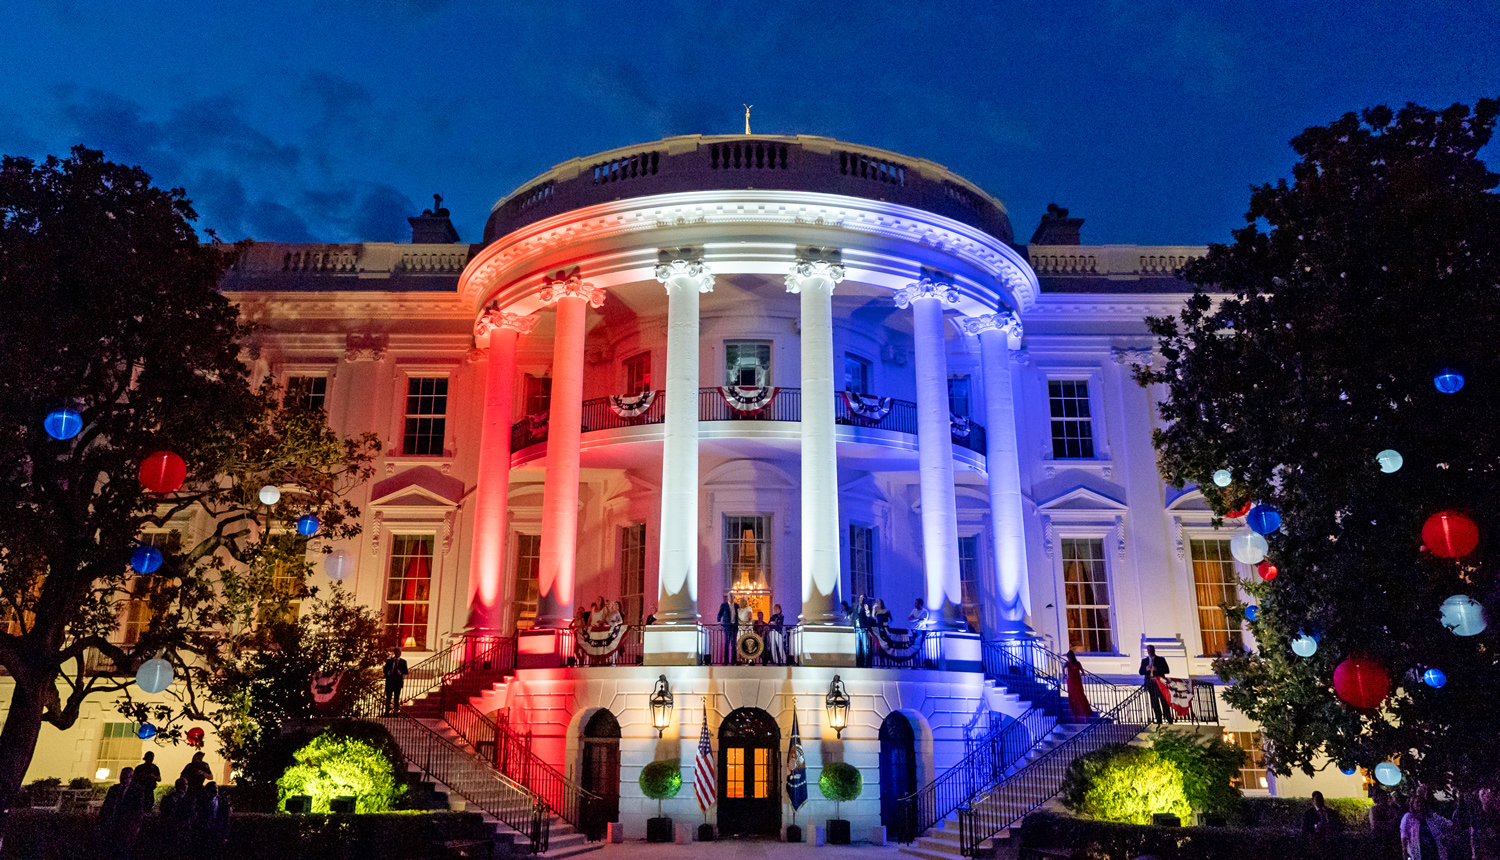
(638,373)
(143,587)
(734,771)
(306,392)
(538,394)
(856,374)
(861,560)
(633,571)
(1087,593)
(762,775)
(408,588)
(118,747)
(1252,774)
(747,560)
(528,578)
(747,363)
(968,578)
(1072,428)
(1215,585)
(958,395)
(426,416)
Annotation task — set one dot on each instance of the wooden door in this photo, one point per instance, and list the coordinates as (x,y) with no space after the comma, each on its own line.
(749,774)
(898,774)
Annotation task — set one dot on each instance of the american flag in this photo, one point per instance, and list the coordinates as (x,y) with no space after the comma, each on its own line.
(705,781)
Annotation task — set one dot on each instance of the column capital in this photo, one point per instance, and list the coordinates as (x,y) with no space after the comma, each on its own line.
(1005,322)
(666,273)
(1133,355)
(556,289)
(804,270)
(493,319)
(925,289)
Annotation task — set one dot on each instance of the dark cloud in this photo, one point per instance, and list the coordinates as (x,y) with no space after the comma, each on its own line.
(381,214)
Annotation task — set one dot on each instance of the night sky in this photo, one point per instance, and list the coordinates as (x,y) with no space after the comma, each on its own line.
(333,120)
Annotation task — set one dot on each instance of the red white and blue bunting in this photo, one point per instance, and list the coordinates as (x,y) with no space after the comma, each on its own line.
(869,408)
(748,398)
(1179,694)
(536,425)
(960,425)
(899,645)
(631,407)
(599,641)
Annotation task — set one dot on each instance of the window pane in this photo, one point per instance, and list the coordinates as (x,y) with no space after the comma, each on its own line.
(968,577)
(426,421)
(1252,774)
(856,374)
(958,395)
(1215,585)
(407,590)
(747,560)
(861,560)
(633,572)
(638,374)
(747,363)
(734,771)
(306,392)
(528,574)
(1086,586)
(1072,428)
(538,394)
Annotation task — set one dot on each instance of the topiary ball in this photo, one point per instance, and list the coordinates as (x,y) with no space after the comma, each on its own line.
(841,781)
(661,780)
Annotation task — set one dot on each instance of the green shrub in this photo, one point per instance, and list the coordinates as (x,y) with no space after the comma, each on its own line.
(1125,784)
(80,783)
(332,766)
(1100,840)
(840,781)
(661,780)
(1208,764)
(1353,812)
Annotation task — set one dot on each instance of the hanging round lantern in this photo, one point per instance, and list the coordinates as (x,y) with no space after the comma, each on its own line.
(339,564)
(146,731)
(1263,519)
(62,424)
(1450,534)
(270,494)
(145,559)
(1223,478)
(1387,773)
(1362,682)
(1435,678)
(1266,570)
(1239,511)
(1252,612)
(195,736)
(1248,548)
(1463,615)
(1304,645)
(1389,460)
(1347,770)
(163,472)
(154,676)
(307,525)
(1448,381)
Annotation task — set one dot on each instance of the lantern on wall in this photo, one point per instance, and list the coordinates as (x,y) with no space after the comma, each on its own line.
(1387,773)
(154,675)
(1450,534)
(145,559)
(307,525)
(339,564)
(1362,682)
(1223,478)
(1248,548)
(1389,460)
(270,494)
(1266,570)
(62,424)
(1448,381)
(1435,678)
(837,705)
(1463,615)
(1263,519)
(163,472)
(1304,645)
(661,705)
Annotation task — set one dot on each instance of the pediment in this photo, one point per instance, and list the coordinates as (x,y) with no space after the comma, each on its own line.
(421,487)
(1189,498)
(757,474)
(1082,499)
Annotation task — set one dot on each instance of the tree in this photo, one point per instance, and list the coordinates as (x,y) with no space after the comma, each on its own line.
(111,308)
(1348,290)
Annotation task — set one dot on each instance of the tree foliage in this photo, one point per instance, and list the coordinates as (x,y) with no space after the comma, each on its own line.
(1347,291)
(1127,784)
(332,766)
(1209,765)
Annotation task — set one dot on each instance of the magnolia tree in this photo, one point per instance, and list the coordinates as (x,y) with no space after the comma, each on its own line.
(1353,301)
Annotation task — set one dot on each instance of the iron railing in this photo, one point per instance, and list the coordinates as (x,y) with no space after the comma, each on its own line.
(785,405)
(901,419)
(631,652)
(470,660)
(717,646)
(598,416)
(869,653)
(1030,669)
(514,757)
(480,785)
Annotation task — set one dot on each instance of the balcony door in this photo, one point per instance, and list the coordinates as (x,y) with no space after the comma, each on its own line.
(747,561)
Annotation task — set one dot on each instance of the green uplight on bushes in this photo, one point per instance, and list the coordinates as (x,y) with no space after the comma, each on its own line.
(330,766)
(1127,785)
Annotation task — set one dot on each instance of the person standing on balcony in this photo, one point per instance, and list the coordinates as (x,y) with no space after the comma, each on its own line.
(917,620)
(882,615)
(1152,669)
(777,640)
(395,675)
(1078,703)
(728,619)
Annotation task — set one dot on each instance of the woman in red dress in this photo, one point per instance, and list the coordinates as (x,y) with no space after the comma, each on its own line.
(1078,703)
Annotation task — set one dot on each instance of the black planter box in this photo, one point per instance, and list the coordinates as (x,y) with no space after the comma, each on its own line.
(838,831)
(705,833)
(300,804)
(793,833)
(345,805)
(658,830)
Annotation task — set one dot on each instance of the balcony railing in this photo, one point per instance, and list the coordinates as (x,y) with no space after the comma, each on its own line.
(785,405)
(719,645)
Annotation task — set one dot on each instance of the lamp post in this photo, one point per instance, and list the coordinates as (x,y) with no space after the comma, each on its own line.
(837,703)
(661,705)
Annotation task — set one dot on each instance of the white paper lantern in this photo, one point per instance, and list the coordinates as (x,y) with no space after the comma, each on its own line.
(1248,548)
(154,676)
(270,494)
(1223,478)
(1463,615)
(1387,773)
(1304,645)
(339,564)
(1389,460)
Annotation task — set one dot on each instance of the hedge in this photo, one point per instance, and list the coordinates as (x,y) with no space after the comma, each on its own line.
(1101,840)
(1354,812)
(44,835)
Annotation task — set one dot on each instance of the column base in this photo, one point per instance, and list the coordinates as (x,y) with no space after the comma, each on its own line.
(1009,629)
(670,644)
(828,645)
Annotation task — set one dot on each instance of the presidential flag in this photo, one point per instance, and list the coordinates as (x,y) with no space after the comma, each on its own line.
(796,767)
(705,782)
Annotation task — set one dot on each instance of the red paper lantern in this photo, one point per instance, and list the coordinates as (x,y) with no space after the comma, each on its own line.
(1266,570)
(1450,534)
(1362,682)
(1240,511)
(163,472)
(195,737)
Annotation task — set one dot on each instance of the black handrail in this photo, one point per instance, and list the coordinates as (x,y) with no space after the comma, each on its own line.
(785,405)
(718,646)
(473,658)
(1030,664)
(477,783)
(514,757)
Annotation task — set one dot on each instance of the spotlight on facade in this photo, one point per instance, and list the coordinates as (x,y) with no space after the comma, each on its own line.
(837,703)
(661,705)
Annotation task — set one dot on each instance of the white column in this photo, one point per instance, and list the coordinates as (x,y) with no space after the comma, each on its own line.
(677,588)
(1012,589)
(943,589)
(820,486)
(490,594)
(559,550)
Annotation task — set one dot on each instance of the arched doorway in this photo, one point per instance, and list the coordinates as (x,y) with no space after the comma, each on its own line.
(749,774)
(898,773)
(601,771)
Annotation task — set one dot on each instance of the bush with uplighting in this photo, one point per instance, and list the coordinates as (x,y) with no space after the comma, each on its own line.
(1125,784)
(840,781)
(331,766)
(1209,765)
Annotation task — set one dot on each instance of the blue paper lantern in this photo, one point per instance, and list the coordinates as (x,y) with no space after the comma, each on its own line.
(1463,615)
(307,525)
(1304,645)
(1434,678)
(145,559)
(1252,612)
(1263,519)
(146,731)
(154,676)
(1347,770)
(1223,478)
(1390,460)
(1387,773)
(1448,381)
(62,424)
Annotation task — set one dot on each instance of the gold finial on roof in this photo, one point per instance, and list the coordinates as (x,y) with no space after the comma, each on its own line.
(747,118)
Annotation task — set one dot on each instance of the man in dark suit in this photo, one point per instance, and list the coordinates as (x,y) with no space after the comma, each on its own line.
(394,671)
(728,623)
(1153,667)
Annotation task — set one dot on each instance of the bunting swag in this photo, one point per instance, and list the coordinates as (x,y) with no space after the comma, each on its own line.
(748,398)
(960,425)
(598,641)
(899,645)
(631,407)
(868,408)
(1179,694)
(537,424)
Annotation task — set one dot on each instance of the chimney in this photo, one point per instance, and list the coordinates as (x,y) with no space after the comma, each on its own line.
(1057,228)
(433,226)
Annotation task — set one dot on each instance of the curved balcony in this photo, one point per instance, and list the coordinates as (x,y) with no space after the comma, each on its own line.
(785,404)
